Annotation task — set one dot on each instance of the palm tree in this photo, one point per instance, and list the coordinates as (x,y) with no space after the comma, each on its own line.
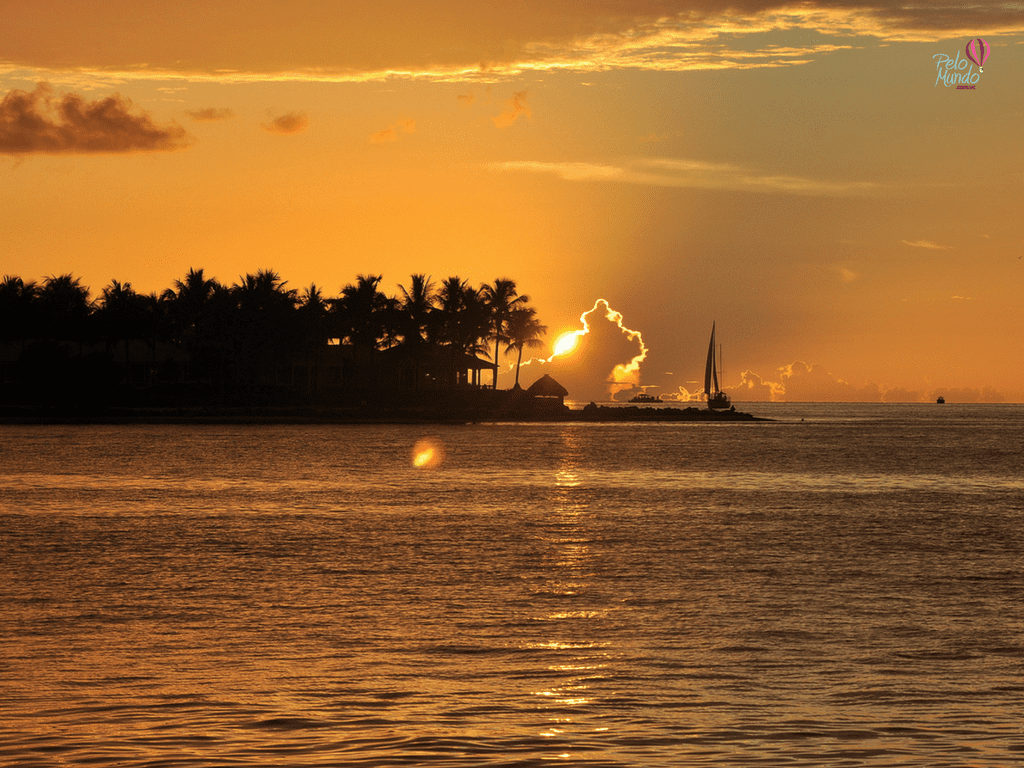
(122,315)
(200,312)
(64,308)
(451,300)
(313,329)
(189,299)
(119,315)
(416,307)
(313,308)
(523,330)
(17,309)
(501,298)
(265,321)
(363,311)
(464,318)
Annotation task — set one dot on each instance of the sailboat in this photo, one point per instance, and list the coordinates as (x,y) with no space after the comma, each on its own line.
(717,399)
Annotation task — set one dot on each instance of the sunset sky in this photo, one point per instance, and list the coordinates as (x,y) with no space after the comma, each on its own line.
(795,172)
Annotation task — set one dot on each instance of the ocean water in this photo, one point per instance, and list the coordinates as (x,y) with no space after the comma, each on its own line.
(842,586)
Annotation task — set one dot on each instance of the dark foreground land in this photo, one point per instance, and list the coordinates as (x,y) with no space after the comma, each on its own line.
(445,413)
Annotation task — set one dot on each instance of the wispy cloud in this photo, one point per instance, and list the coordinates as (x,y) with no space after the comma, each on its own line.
(465,39)
(515,108)
(290,122)
(210,114)
(670,172)
(847,275)
(38,122)
(567,171)
(927,244)
(390,134)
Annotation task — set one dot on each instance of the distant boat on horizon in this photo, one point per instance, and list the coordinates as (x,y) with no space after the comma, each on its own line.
(643,397)
(717,399)
(941,400)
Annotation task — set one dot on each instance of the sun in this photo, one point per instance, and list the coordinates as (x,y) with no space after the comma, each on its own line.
(566,343)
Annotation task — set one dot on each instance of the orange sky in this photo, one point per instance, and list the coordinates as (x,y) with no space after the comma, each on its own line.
(790,171)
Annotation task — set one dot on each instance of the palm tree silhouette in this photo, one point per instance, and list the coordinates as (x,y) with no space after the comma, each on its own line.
(501,299)
(465,320)
(313,329)
(363,311)
(189,299)
(523,330)
(254,332)
(265,320)
(64,308)
(416,307)
(18,316)
(121,316)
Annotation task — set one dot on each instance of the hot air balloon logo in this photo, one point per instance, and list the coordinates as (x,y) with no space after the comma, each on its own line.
(977,51)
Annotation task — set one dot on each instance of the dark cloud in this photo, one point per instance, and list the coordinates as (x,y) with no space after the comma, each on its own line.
(210,114)
(38,122)
(290,122)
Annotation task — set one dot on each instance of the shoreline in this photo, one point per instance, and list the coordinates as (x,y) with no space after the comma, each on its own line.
(341,415)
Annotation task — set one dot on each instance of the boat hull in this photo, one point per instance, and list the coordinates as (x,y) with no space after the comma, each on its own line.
(719,402)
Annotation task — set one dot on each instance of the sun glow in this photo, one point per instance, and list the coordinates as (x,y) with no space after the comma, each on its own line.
(566,343)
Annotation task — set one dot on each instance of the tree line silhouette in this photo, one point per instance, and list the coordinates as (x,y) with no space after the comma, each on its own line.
(60,343)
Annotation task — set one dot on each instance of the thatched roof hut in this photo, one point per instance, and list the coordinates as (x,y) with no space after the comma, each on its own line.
(547,388)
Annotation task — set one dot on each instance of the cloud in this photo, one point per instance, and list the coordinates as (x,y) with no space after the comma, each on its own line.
(567,171)
(696,174)
(927,244)
(290,122)
(390,134)
(800,382)
(605,361)
(466,99)
(813,383)
(234,40)
(967,395)
(210,114)
(515,108)
(37,122)
(847,275)
(753,388)
(901,395)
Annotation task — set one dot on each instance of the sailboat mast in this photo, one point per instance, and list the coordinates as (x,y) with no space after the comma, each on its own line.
(721,368)
(714,377)
(709,369)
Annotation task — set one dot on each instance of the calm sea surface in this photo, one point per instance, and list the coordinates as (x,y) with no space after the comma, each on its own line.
(843,586)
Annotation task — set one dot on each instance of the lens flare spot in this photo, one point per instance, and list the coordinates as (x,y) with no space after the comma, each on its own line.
(427,453)
(567,342)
